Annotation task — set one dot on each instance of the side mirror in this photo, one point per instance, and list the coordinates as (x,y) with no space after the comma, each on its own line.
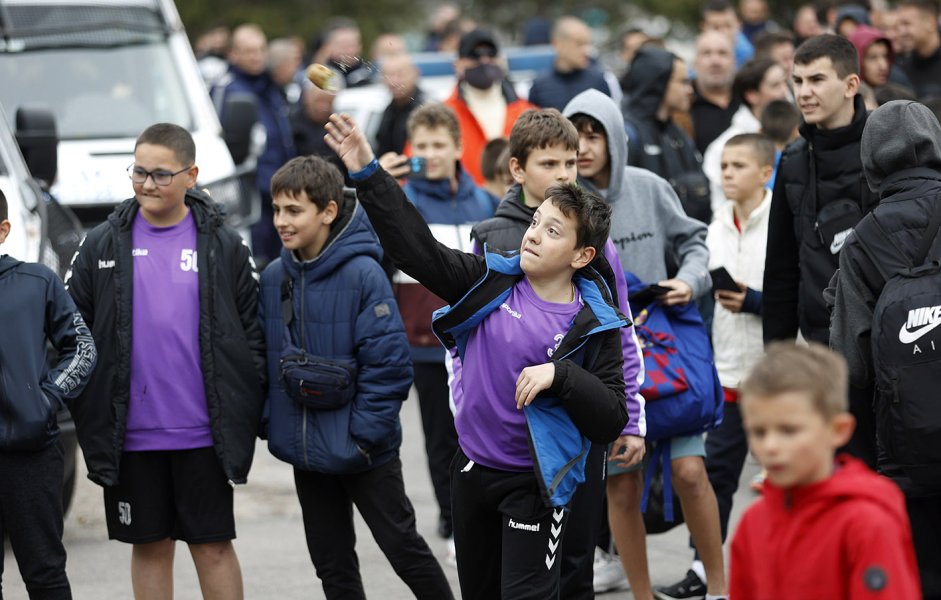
(38,141)
(239,115)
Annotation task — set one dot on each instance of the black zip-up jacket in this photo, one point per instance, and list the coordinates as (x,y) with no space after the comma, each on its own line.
(232,354)
(821,167)
(34,307)
(508,225)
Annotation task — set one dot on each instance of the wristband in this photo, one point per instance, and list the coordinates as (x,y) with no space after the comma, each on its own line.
(366,171)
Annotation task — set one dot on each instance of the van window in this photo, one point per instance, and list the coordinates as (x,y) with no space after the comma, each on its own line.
(100,78)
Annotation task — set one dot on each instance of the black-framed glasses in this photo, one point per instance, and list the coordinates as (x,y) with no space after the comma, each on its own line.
(160,177)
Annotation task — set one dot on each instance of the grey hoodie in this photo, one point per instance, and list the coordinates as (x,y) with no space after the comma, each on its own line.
(901,134)
(647,222)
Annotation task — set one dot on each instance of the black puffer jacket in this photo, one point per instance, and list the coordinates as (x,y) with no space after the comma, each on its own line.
(231,343)
(819,169)
(506,228)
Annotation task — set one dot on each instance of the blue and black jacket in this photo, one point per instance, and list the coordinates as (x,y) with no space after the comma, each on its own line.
(36,308)
(344,311)
(586,400)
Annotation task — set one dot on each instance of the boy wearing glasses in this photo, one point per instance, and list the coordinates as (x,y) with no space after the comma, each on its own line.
(168,420)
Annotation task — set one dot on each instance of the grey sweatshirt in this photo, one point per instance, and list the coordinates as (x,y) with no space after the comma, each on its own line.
(647,223)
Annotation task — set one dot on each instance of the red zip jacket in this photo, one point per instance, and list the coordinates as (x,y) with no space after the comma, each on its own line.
(845,537)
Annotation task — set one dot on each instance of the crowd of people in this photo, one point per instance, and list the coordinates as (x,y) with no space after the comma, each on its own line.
(778,191)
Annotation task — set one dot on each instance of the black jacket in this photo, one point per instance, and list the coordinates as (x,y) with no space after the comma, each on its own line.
(506,228)
(815,171)
(658,146)
(231,343)
(902,160)
(392,133)
(36,308)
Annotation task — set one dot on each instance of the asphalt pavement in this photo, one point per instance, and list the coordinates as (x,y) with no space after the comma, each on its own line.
(271,546)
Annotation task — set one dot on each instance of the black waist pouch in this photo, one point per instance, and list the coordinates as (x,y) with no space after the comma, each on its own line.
(316,382)
(836,221)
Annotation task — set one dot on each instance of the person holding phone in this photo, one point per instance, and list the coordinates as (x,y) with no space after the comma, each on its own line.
(451,203)
(736,240)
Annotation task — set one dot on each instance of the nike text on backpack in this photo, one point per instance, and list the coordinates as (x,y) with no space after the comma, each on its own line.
(681,386)
(906,351)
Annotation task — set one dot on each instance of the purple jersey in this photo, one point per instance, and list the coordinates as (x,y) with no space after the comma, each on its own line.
(524,331)
(167,409)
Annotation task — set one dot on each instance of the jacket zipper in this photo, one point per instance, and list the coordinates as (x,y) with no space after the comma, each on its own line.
(300,339)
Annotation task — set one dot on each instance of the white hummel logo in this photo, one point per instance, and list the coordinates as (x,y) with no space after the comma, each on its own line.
(838,241)
(920,321)
(105,264)
(524,526)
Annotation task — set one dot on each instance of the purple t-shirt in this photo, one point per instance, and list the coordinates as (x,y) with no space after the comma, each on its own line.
(490,429)
(167,409)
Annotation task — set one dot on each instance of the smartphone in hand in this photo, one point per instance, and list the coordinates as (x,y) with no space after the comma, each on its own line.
(722,280)
(416,168)
(649,294)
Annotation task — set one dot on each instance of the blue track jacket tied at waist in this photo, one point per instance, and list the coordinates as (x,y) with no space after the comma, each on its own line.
(558,447)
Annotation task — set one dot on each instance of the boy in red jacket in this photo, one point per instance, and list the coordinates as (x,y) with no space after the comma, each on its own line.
(825,527)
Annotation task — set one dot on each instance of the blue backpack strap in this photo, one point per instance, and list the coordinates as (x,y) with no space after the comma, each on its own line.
(661,455)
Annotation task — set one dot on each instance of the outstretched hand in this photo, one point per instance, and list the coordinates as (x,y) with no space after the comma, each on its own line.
(349,142)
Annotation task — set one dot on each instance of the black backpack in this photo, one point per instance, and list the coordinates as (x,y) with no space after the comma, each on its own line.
(906,351)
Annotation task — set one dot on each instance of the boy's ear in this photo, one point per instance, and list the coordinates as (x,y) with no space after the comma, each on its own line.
(330,212)
(841,428)
(852,85)
(583,257)
(766,171)
(517,172)
(4,230)
(460,150)
(191,177)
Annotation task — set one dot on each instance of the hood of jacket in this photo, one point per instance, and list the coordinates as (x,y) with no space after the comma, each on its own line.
(351,235)
(851,481)
(864,36)
(7,263)
(440,189)
(604,110)
(646,82)
(853,12)
(206,214)
(899,135)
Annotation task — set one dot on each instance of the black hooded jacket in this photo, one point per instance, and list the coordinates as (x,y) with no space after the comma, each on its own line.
(901,150)
(232,354)
(661,146)
(817,171)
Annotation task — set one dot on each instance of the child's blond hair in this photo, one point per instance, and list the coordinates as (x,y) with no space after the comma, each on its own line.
(813,370)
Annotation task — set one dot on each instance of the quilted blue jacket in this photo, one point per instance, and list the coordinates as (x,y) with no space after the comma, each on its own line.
(344,307)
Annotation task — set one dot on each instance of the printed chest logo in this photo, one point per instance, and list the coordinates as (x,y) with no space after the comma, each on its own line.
(106,264)
(558,340)
(510,311)
(920,322)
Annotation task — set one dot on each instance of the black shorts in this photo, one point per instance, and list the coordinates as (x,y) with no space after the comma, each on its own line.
(178,494)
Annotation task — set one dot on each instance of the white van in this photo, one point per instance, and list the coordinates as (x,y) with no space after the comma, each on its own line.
(108,69)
